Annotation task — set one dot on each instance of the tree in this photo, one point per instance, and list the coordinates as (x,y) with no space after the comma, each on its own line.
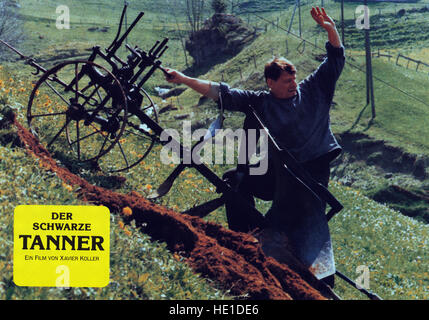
(195,14)
(235,6)
(10,26)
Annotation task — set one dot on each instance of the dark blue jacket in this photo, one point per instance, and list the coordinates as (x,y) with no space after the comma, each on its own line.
(300,124)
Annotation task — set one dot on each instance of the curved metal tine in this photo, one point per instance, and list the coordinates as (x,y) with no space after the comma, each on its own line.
(145,108)
(204,209)
(86,87)
(89,85)
(90,97)
(59,132)
(98,93)
(162,52)
(101,99)
(168,183)
(119,28)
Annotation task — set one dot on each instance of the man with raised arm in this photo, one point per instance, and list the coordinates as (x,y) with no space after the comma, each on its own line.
(297,116)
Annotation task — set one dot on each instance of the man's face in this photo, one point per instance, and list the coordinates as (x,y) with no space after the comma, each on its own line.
(284,87)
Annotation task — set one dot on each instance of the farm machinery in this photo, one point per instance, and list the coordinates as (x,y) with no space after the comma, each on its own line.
(97,108)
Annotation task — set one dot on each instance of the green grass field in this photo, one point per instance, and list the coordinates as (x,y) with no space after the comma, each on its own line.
(392,246)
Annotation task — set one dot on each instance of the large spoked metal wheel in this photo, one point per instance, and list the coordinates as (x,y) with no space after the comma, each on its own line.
(79,108)
(137,139)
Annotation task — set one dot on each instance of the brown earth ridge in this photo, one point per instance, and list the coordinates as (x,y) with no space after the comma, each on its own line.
(232,259)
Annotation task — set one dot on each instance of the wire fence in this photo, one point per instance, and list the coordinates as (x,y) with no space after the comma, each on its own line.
(294,26)
(278,23)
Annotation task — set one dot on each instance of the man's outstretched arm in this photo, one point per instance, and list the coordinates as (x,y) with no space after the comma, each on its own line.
(203,87)
(232,99)
(328,24)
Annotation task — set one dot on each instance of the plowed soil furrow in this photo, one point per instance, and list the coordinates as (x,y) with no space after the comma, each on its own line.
(235,260)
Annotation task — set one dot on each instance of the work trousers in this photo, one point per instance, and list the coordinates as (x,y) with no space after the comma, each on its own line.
(274,186)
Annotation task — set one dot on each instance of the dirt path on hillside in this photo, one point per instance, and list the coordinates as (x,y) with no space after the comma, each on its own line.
(235,260)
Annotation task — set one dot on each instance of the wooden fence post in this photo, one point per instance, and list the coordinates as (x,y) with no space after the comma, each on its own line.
(418,63)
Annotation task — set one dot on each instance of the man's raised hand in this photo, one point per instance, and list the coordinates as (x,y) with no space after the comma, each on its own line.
(322,18)
(328,24)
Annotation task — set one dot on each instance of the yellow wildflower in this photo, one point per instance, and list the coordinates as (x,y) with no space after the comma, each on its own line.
(67,186)
(127,211)
(143,278)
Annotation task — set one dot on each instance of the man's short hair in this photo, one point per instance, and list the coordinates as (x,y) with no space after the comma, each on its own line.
(273,69)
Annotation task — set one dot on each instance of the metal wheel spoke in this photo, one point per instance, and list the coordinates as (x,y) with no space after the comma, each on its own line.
(123,154)
(47,114)
(59,132)
(100,118)
(77,82)
(104,143)
(57,93)
(83,138)
(78,144)
(148,137)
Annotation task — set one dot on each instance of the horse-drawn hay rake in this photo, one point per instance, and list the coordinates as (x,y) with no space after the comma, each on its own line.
(97,109)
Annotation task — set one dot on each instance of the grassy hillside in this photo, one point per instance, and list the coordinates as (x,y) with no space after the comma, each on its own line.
(400,104)
(396,112)
(396,257)
(394,247)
